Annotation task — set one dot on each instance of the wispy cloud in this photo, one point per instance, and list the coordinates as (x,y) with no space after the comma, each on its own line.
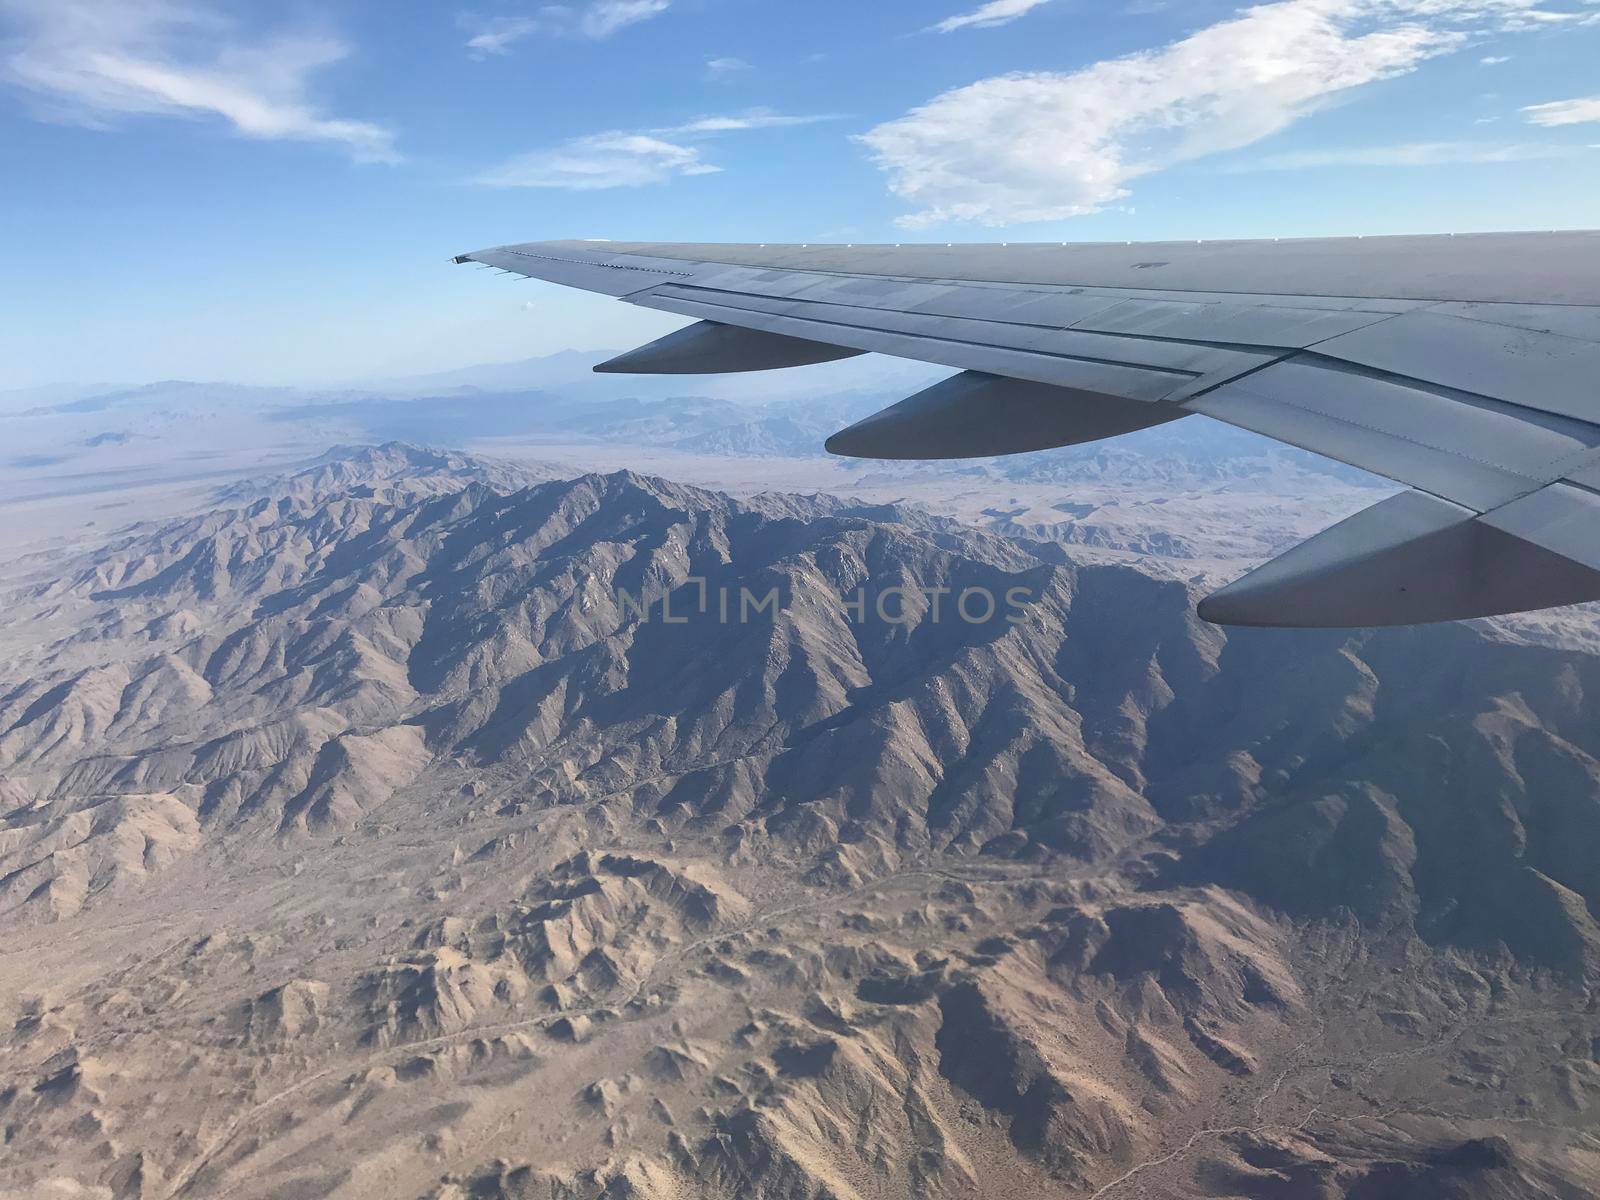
(604,160)
(987,16)
(496,35)
(93,61)
(756,118)
(726,68)
(1495,60)
(1046,146)
(1582,111)
(1411,154)
(597,20)
(604,17)
(620,158)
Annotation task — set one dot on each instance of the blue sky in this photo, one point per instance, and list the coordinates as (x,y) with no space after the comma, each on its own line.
(271,192)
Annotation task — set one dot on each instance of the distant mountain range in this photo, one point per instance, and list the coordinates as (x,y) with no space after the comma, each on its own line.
(557,398)
(569,371)
(408,826)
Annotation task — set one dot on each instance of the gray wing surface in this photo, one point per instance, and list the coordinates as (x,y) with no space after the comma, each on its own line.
(1465,367)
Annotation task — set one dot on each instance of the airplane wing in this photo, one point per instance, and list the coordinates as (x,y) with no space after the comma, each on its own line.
(1465,367)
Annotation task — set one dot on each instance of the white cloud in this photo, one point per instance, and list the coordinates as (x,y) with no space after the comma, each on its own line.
(605,160)
(1046,146)
(756,118)
(605,17)
(1411,154)
(497,34)
(726,68)
(598,19)
(987,16)
(620,158)
(1494,60)
(90,61)
(1565,112)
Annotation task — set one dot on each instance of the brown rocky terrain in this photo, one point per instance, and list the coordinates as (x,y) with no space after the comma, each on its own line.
(361,838)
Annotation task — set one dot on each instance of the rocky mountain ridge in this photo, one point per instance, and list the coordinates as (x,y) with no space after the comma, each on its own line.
(455,875)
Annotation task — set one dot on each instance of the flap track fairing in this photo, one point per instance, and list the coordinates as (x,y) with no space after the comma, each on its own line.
(711,348)
(975,415)
(1408,560)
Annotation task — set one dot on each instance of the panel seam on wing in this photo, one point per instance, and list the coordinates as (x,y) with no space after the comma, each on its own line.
(1552,422)
(1463,316)
(1078,326)
(1419,301)
(1176,372)
(581,262)
(1401,437)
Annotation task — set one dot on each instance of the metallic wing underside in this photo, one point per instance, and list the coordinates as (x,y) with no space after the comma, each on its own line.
(1467,368)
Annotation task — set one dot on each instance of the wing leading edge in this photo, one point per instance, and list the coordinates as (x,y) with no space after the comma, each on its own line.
(1465,367)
